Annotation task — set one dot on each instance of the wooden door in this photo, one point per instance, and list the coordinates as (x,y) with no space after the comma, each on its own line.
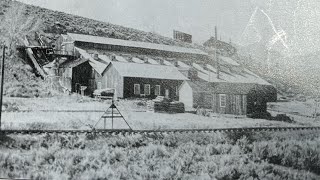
(167,93)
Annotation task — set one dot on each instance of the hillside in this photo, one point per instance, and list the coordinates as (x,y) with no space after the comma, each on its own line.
(21,19)
(59,22)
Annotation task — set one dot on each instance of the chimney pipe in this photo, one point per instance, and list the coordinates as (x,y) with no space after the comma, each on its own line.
(113,58)
(176,63)
(95,56)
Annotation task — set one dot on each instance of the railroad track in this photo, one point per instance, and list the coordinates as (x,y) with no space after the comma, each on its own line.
(62,111)
(160,131)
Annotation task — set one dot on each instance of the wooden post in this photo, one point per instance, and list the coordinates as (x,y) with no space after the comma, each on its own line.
(2,78)
(112,114)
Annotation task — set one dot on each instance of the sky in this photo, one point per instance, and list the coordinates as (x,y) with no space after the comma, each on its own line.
(162,16)
(296,18)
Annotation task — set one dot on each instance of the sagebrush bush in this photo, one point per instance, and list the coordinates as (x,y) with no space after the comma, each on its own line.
(188,156)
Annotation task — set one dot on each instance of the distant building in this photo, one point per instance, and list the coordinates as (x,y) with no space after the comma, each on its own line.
(182,36)
(226,49)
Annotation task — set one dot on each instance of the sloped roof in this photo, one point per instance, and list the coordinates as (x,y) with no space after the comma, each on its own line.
(121,59)
(228,60)
(137,60)
(211,68)
(200,86)
(152,61)
(137,44)
(165,62)
(233,88)
(98,66)
(244,78)
(105,58)
(147,71)
(73,63)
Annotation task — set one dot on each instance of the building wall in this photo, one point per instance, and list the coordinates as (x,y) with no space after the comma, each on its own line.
(171,85)
(112,79)
(202,99)
(186,95)
(234,104)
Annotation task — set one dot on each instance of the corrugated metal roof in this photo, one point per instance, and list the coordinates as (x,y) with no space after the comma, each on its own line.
(137,44)
(148,71)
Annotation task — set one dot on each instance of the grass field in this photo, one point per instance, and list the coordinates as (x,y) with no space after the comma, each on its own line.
(204,156)
(50,113)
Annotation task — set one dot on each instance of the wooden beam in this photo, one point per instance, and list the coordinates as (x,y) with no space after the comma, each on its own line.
(33,59)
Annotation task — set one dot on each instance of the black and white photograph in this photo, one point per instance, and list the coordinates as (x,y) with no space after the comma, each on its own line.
(160,89)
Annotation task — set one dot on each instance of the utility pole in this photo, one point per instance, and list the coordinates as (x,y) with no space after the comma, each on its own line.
(2,78)
(215,52)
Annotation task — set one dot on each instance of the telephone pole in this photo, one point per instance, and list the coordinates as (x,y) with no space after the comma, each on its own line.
(215,51)
(2,78)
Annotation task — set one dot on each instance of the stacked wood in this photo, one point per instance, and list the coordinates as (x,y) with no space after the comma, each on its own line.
(171,107)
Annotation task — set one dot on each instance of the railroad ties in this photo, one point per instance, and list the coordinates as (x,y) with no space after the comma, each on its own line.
(157,133)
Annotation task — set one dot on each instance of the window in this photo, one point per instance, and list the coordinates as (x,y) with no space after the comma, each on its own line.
(136,89)
(147,89)
(157,90)
(223,100)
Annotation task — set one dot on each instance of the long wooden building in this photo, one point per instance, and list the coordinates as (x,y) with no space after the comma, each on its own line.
(139,69)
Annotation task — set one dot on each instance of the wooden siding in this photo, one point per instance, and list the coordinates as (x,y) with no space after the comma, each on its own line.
(235,104)
(202,100)
(164,84)
(112,79)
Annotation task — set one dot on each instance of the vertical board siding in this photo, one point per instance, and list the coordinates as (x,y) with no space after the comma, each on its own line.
(235,104)
(112,79)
